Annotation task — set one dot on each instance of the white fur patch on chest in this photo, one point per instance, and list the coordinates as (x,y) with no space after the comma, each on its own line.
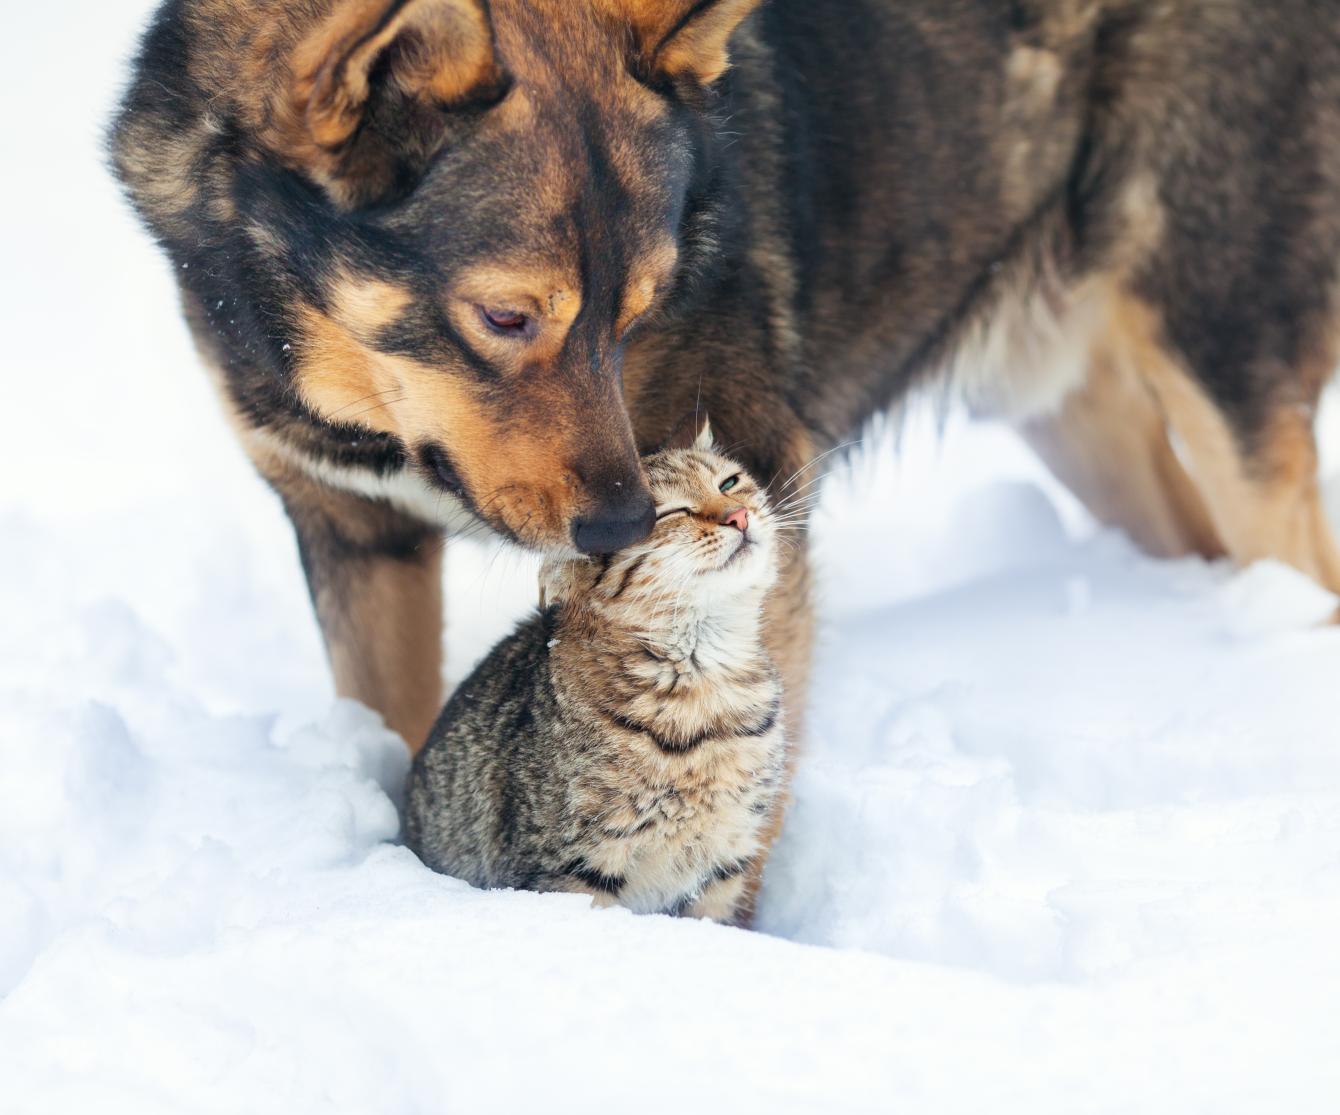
(1026,353)
(404,490)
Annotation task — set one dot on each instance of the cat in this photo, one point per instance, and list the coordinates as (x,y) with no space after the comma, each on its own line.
(627,740)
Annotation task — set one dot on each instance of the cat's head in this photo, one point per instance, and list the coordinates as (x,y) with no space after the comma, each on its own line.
(714,536)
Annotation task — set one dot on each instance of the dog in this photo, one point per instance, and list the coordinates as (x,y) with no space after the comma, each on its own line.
(456,262)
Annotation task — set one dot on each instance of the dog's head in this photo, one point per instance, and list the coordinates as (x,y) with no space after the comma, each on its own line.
(478,203)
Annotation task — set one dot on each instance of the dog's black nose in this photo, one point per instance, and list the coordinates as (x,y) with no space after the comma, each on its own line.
(615,525)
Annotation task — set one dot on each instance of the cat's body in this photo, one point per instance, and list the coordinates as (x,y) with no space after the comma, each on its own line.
(626,741)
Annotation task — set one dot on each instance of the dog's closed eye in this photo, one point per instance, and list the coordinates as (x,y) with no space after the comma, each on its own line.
(507,323)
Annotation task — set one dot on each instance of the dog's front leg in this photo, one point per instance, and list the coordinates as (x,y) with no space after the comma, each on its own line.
(375,576)
(789,636)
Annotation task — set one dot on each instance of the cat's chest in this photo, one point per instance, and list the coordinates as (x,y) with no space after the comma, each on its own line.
(702,807)
(671,826)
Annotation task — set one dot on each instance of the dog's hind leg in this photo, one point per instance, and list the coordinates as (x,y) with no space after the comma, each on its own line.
(1108,443)
(1252,453)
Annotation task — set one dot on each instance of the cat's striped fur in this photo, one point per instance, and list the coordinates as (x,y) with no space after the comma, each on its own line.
(626,741)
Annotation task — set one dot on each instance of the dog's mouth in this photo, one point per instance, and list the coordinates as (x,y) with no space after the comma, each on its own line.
(439,469)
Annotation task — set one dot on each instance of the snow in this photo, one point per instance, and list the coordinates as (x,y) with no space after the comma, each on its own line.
(1066,830)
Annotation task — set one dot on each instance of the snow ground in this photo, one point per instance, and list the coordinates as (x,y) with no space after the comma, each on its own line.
(1066,834)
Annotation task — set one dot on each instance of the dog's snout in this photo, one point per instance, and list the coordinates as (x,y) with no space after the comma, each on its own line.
(619,521)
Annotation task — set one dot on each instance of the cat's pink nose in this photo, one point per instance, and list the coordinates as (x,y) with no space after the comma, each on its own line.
(739,519)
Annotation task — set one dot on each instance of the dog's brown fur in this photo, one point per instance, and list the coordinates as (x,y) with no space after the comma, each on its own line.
(1106,220)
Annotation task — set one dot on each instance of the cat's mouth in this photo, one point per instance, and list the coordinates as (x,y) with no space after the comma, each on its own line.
(746,544)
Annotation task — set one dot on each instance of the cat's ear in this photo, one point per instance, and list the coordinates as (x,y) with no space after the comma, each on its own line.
(694,432)
(703,442)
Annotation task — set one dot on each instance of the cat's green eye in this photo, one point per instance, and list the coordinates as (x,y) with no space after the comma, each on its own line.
(727,485)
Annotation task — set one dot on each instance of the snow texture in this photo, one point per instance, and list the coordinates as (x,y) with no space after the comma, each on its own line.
(1065,835)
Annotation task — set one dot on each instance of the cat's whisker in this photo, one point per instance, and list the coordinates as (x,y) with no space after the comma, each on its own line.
(335,415)
(802,505)
(802,490)
(816,459)
(376,407)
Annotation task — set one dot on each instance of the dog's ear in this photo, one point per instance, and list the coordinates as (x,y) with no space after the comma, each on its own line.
(373,86)
(685,38)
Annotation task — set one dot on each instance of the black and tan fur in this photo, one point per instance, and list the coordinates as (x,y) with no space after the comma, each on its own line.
(1114,222)
(626,741)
